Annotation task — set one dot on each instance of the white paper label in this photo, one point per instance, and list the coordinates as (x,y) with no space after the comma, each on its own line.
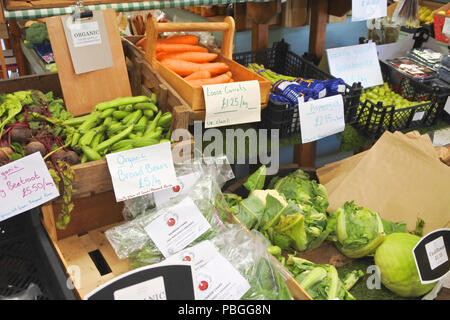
(24,185)
(215,276)
(447,106)
(446,28)
(368,9)
(321,118)
(85,34)
(232,103)
(178,227)
(436,252)
(198,255)
(441,137)
(418,116)
(185,183)
(219,280)
(141,171)
(357,63)
(148,290)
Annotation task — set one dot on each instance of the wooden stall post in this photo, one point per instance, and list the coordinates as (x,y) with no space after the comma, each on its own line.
(260,13)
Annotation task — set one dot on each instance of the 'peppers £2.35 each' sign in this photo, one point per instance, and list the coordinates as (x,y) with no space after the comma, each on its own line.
(24,185)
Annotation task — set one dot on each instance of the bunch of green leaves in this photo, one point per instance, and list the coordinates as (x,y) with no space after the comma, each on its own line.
(63,175)
(321,281)
(291,213)
(298,187)
(266,283)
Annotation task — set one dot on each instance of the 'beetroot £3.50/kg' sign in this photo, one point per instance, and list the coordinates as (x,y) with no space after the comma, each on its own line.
(24,185)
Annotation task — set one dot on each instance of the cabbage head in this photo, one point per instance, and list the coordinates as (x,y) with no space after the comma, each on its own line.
(398,269)
(357,232)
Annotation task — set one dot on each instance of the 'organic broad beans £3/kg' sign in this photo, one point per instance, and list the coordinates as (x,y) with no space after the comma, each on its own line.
(141,171)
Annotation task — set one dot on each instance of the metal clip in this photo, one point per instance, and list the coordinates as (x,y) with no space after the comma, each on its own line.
(80,13)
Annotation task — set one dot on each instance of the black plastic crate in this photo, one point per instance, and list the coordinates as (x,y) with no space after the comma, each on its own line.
(372,119)
(27,256)
(280,60)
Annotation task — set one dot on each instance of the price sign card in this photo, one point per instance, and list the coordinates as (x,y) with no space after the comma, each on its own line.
(431,255)
(88,43)
(215,277)
(24,185)
(141,171)
(446,28)
(357,63)
(321,118)
(368,9)
(178,227)
(232,103)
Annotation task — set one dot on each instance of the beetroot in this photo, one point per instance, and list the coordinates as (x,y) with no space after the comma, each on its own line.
(4,152)
(35,146)
(72,157)
(20,134)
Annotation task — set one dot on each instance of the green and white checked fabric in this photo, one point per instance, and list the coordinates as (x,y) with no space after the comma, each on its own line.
(121,7)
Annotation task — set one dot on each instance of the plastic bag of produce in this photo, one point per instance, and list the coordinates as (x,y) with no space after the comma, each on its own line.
(238,260)
(187,172)
(193,217)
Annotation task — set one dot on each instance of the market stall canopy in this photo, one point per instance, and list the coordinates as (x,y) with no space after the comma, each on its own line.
(18,9)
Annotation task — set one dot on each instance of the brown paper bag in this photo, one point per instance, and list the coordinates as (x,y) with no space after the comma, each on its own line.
(400,178)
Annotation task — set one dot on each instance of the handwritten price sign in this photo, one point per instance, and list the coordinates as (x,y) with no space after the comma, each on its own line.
(232,103)
(24,185)
(141,171)
(357,63)
(321,118)
(368,9)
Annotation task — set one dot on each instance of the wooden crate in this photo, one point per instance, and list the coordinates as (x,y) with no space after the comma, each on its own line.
(194,95)
(82,247)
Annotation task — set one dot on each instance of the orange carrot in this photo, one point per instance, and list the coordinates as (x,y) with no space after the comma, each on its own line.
(141,43)
(181,67)
(223,78)
(198,75)
(197,57)
(185,68)
(172,47)
(215,68)
(184,39)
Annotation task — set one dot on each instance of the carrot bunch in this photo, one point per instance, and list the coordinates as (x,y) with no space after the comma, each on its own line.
(194,63)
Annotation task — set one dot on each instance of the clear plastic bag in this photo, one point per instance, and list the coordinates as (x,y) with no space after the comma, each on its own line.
(247,252)
(217,167)
(130,240)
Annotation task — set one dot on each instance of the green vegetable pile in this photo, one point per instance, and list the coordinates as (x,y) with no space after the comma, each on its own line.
(36,34)
(389,108)
(24,130)
(291,213)
(118,125)
(321,281)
